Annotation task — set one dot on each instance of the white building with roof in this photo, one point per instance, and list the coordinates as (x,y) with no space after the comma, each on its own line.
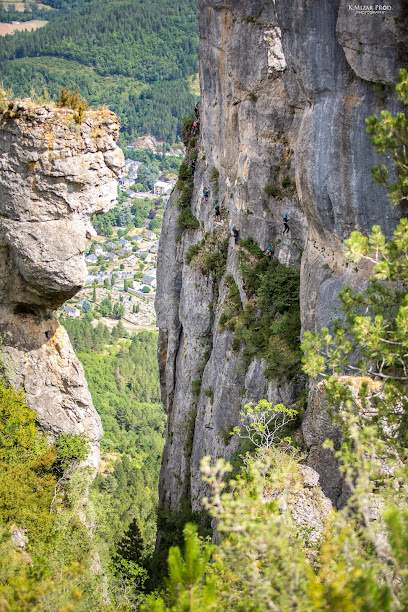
(161,188)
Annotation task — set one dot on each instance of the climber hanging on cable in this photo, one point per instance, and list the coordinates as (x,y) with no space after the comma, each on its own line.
(217,211)
(206,192)
(269,252)
(286,229)
(235,232)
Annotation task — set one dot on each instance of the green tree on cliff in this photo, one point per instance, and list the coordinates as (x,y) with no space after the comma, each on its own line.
(390,137)
(73,99)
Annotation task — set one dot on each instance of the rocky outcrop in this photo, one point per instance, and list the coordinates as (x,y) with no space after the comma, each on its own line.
(286,88)
(55,174)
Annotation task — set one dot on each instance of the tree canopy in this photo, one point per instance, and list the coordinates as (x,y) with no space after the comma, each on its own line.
(136,56)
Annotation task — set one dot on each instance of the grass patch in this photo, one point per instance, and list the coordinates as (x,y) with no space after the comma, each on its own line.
(214,178)
(272,190)
(195,387)
(209,256)
(209,393)
(233,309)
(194,250)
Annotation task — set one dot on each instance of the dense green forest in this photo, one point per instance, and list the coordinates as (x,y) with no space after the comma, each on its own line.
(134,56)
(123,379)
(11,14)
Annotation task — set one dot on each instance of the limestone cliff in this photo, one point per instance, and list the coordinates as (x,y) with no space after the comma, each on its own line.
(54,175)
(286,87)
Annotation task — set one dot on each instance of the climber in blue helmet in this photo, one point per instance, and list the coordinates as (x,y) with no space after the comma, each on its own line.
(286,225)
(217,210)
(235,232)
(269,252)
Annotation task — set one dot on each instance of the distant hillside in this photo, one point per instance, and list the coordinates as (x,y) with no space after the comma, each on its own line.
(136,56)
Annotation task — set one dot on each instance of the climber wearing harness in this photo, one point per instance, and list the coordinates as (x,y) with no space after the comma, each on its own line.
(217,212)
(286,225)
(197,109)
(235,232)
(269,252)
(206,191)
(195,126)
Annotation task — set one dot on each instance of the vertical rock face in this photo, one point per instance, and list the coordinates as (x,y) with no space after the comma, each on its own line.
(286,87)
(54,175)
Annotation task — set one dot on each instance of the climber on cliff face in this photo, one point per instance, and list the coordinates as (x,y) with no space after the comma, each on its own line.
(197,109)
(286,225)
(217,212)
(235,232)
(269,252)
(206,192)
(196,126)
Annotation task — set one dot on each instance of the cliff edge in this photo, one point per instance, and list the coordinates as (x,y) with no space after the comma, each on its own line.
(55,174)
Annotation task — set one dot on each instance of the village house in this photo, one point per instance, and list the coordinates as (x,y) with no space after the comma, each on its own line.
(70,312)
(123,242)
(110,245)
(98,249)
(126,182)
(134,169)
(111,257)
(122,252)
(91,259)
(149,280)
(131,260)
(161,188)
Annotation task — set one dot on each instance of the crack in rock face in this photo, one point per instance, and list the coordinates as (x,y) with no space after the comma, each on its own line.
(55,174)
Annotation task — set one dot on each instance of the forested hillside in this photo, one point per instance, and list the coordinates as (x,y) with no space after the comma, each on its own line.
(134,56)
(122,375)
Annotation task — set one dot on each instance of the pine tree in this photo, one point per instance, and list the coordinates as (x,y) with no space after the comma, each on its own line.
(389,136)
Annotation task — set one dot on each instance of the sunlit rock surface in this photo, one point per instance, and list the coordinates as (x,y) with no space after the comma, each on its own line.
(285,90)
(54,175)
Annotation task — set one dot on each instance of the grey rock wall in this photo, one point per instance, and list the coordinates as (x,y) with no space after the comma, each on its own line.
(54,175)
(285,90)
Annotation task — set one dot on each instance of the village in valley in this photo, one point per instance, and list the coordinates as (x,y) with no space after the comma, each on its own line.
(122,257)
